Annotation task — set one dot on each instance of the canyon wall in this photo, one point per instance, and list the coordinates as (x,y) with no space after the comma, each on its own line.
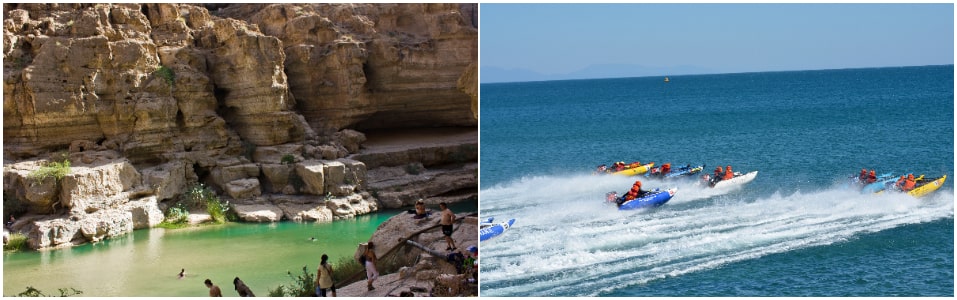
(267,104)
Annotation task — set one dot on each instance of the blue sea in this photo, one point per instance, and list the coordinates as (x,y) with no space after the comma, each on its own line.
(796,230)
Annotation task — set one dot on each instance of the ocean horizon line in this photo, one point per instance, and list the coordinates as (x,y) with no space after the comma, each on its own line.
(704,74)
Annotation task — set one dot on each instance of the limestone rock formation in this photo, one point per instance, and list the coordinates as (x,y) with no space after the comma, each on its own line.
(270,105)
(419,269)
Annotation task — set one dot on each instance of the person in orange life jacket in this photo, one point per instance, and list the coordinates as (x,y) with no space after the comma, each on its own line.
(900,182)
(863,176)
(728,174)
(909,183)
(872,178)
(635,191)
(665,169)
(634,165)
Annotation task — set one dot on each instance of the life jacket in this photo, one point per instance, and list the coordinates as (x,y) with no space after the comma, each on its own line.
(665,169)
(634,165)
(728,174)
(872,178)
(632,194)
(900,182)
(909,183)
(863,175)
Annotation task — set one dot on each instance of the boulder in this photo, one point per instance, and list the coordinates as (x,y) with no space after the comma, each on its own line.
(54,232)
(145,212)
(225,175)
(105,224)
(276,176)
(350,139)
(313,177)
(355,172)
(335,175)
(350,206)
(258,212)
(243,188)
(89,188)
(275,154)
(167,180)
(306,212)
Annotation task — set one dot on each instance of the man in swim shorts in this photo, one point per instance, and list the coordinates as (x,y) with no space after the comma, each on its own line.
(446,221)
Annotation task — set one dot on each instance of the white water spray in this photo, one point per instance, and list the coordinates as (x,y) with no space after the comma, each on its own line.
(565,241)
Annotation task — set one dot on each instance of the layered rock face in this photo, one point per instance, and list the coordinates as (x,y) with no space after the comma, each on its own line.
(371,66)
(261,102)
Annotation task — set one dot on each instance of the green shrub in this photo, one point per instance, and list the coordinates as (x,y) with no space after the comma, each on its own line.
(198,195)
(302,286)
(33,292)
(345,267)
(53,169)
(176,215)
(166,73)
(217,209)
(288,159)
(201,196)
(16,242)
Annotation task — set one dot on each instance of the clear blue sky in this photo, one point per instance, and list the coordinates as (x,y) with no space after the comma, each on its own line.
(725,38)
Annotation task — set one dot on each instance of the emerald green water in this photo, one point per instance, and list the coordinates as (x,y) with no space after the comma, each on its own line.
(146,262)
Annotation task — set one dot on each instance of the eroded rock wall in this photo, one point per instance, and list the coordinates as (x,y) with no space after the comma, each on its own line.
(261,102)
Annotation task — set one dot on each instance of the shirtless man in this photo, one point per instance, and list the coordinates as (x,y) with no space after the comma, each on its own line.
(213,289)
(446,221)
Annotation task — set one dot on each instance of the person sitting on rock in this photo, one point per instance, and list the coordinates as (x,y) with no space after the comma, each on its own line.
(420,210)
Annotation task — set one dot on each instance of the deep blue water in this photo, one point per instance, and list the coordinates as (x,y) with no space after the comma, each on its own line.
(793,231)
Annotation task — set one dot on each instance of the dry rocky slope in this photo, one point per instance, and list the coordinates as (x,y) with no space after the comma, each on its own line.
(306,112)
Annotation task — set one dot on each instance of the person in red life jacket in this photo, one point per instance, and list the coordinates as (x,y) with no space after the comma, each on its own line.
(728,174)
(635,192)
(619,166)
(863,176)
(665,169)
(909,183)
(872,178)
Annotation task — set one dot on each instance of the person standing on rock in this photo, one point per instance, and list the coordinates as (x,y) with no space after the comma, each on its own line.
(213,289)
(446,221)
(370,260)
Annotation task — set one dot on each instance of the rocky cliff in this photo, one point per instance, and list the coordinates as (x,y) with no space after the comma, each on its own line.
(271,105)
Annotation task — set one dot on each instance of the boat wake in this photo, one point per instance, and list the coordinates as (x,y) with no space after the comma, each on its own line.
(567,242)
